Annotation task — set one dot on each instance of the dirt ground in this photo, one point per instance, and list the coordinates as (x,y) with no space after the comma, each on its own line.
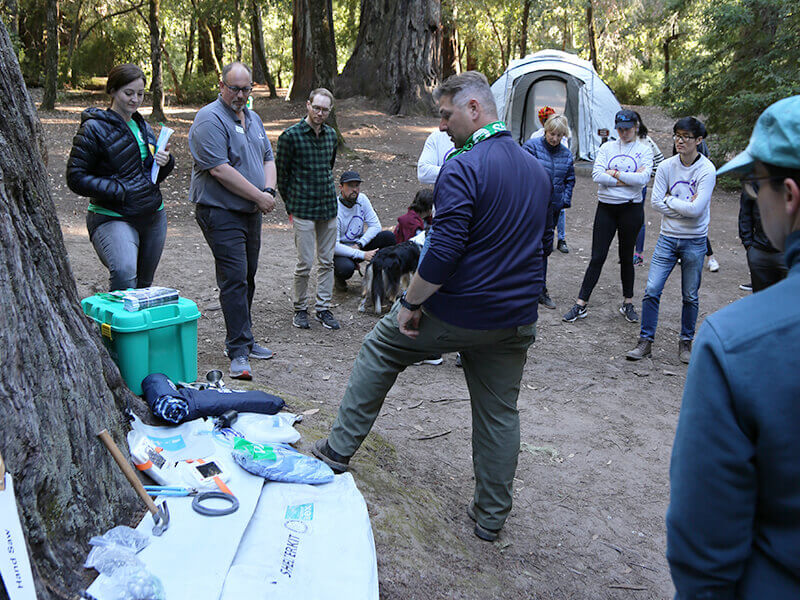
(592,484)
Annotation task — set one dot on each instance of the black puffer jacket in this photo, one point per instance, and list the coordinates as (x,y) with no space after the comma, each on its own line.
(105,164)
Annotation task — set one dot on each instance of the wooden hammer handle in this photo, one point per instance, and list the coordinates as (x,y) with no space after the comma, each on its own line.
(127,470)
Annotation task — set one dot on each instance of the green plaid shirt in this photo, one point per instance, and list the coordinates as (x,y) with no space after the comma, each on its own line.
(305,171)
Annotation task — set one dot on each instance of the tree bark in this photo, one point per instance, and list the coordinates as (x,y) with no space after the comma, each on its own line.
(396,54)
(237,15)
(74,31)
(157,84)
(58,386)
(451,61)
(188,62)
(313,47)
(261,72)
(51,57)
(591,35)
(523,36)
(667,41)
(12,6)
(207,50)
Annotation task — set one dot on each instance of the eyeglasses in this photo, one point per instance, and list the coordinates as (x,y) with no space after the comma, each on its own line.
(750,183)
(323,110)
(236,89)
(681,138)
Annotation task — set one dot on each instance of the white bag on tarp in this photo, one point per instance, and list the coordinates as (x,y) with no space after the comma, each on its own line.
(306,541)
(268,429)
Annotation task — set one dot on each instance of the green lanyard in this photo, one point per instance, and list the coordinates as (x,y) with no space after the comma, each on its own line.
(479,135)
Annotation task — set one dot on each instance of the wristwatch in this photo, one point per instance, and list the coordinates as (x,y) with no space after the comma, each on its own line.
(406,304)
(271,191)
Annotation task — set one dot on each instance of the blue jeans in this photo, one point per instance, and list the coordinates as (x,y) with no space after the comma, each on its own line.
(668,250)
(561,225)
(130,249)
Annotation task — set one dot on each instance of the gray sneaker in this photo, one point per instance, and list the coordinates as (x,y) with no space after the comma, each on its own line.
(327,319)
(240,368)
(259,351)
(643,349)
(685,350)
(627,311)
(576,312)
(301,319)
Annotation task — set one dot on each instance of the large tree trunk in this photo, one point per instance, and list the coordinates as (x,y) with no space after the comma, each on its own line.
(591,35)
(70,75)
(58,385)
(12,6)
(396,54)
(261,72)
(523,36)
(667,42)
(237,17)
(188,61)
(313,47)
(210,48)
(451,62)
(51,57)
(157,84)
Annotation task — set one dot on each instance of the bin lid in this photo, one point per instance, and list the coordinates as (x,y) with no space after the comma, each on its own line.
(112,313)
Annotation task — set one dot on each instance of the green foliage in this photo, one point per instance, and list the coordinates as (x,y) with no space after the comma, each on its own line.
(743,57)
(637,86)
(201,88)
(121,41)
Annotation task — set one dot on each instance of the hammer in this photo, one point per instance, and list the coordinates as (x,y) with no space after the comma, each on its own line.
(160,513)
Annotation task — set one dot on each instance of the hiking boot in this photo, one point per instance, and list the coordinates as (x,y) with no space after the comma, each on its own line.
(301,319)
(487,535)
(327,319)
(259,351)
(458,360)
(325,453)
(685,350)
(340,284)
(637,259)
(433,359)
(643,350)
(562,246)
(713,265)
(240,368)
(576,312)
(545,300)
(627,311)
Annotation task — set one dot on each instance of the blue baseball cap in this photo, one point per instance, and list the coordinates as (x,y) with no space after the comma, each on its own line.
(349,176)
(625,119)
(775,139)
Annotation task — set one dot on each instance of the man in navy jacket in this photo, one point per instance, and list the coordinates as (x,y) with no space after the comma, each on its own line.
(471,294)
(733,524)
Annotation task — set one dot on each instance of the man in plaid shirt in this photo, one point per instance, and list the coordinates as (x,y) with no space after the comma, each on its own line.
(305,157)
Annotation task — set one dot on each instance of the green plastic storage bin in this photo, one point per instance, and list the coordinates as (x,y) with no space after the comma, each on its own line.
(162,339)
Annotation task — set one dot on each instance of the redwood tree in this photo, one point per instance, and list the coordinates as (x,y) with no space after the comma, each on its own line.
(313,47)
(396,54)
(157,84)
(58,385)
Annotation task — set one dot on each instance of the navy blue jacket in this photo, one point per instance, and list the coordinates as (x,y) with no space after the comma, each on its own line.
(105,164)
(487,247)
(558,164)
(733,524)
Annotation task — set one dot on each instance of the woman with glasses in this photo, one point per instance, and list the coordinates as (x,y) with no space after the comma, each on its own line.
(621,169)
(110,162)
(682,194)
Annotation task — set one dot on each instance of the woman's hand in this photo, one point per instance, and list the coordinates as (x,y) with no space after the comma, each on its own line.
(162,156)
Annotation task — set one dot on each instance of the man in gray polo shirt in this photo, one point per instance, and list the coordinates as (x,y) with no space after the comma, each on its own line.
(233,182)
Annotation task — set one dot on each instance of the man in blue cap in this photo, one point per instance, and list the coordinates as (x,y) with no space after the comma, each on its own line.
(733,524)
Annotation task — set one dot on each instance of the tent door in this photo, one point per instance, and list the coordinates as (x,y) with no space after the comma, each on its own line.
(547,91)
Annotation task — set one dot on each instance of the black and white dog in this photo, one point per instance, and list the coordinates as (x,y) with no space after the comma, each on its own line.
(388,272)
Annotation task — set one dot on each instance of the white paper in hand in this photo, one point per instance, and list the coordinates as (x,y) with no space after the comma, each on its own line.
(163,138)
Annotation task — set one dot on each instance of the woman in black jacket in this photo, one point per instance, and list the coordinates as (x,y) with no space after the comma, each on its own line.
(110,162)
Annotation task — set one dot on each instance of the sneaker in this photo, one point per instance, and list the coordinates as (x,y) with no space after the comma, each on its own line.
(301,319)
(487,535)
(713,265)
(562,246)
(327,319)
(259,351)
(685,350)
(637,259)
(746,287)
(340,284)
(629,312)
(576,312)
(433,359)
(240,368)
(458,360)
(325,453)
(643,349)
(545,300)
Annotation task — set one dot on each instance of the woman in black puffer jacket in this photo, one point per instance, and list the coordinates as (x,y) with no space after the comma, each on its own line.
(110,162)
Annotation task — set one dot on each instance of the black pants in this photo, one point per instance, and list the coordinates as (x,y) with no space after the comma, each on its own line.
(235,240)
(766,268)
(625,220)
(547,239)
(344,266)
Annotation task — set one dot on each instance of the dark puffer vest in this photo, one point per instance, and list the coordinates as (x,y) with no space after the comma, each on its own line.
(105,164)
(559,165)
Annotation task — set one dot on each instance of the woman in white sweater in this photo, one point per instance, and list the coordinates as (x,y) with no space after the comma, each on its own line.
(621,169)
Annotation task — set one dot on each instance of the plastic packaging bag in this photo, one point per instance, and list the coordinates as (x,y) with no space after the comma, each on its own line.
(268,429)
(107,559)
(277,462)
(123,536)
(131,584)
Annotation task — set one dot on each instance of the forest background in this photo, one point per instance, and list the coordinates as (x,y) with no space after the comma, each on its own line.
(725,60)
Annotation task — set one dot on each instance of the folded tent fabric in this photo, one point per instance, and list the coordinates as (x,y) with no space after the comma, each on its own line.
(206,403)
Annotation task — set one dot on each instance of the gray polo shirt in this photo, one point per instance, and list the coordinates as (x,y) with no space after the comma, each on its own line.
(217,137)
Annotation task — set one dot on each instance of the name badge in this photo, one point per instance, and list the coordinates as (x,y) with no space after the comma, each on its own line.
(239,129)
